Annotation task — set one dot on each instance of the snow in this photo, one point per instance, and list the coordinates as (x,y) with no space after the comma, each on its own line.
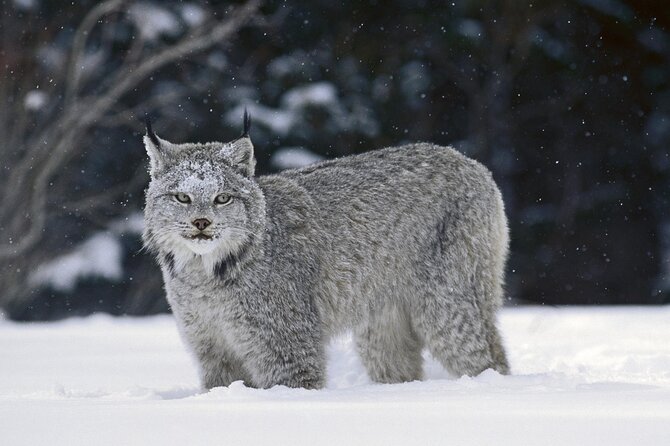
(99,256)
(318,94)
(471,29)
(132,223)
(35,100)
(581,376)
(193,14)
(298,104)
(297,64)
(293,103)
(293,158)
(25,4)
(278,121)
(152,21)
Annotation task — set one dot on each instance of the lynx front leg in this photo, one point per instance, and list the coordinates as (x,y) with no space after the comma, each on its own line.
(289,354)
(219,367)
(289,364)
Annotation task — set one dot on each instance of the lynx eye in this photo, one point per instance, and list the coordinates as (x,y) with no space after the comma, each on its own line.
(182,198)
(223,199)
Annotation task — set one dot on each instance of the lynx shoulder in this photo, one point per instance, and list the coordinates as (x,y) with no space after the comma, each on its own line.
(404,246)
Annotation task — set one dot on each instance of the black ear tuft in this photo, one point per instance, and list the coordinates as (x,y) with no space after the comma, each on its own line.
(150,133)
(247,124)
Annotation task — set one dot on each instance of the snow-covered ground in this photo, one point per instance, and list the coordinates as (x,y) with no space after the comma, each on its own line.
(597,376)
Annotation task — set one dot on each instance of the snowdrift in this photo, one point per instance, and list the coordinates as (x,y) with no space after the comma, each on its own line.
(581,376)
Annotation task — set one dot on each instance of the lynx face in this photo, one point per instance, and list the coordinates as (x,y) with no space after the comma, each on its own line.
(202,201)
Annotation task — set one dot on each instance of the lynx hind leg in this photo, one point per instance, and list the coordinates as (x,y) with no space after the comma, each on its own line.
(496,345)
(389,347)
(458,316)
(460,335)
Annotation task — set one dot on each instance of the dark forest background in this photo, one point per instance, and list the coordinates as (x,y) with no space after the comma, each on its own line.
(567,102)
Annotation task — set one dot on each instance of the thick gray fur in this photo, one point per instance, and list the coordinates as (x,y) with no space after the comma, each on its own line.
(405,246)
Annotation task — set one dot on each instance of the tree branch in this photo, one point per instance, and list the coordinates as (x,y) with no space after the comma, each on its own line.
(125,81)
(73,72)
(82,113)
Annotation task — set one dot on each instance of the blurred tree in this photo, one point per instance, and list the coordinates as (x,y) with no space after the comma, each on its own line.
(566,101)
(61,84)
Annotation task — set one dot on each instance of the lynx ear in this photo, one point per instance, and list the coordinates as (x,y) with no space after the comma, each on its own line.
(246,123)
(240,154)
(155,148)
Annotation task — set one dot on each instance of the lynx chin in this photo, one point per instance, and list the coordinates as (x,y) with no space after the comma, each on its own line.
(404,246)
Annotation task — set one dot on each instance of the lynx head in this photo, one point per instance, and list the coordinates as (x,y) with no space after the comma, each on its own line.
(202,201)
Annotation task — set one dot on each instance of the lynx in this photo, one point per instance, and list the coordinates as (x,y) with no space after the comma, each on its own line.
(403,246)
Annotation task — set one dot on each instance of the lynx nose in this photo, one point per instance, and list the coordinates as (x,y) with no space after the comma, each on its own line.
(201,223)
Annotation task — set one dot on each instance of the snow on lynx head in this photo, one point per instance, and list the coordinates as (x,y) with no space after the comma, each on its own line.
(202,201)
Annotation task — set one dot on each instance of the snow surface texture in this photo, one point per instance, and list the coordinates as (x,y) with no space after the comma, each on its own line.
(597,376)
